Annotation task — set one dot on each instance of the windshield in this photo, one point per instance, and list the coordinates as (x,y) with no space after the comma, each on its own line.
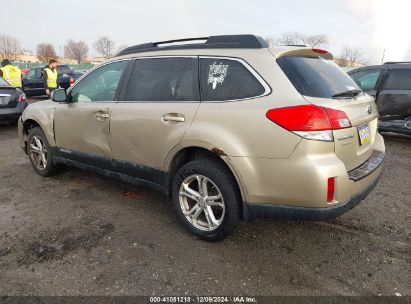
(3,83)
(316,77)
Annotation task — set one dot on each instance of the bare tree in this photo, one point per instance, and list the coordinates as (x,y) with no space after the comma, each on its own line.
(271,40)
(45,52)
(104,47)
(350,57)
(314,41)
(292,38)
(76,50)
(121,48)
(9,47)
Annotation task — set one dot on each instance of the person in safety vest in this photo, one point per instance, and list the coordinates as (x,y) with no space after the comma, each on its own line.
(11,73)
(50,77)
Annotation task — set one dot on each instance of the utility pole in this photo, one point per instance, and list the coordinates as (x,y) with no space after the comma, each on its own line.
(383,55)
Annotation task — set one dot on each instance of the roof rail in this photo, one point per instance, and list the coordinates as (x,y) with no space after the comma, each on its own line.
(397,62)
(211,42)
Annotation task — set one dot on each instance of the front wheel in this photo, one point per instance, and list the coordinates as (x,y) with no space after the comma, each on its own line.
(206,199)
(40,153)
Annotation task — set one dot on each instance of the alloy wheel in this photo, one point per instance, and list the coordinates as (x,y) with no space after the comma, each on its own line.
(202,202)
(38,152)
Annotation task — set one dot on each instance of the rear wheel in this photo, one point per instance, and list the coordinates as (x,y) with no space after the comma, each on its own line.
(206,199)
(40,153)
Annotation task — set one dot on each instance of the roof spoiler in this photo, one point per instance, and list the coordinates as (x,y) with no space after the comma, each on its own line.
(306,52)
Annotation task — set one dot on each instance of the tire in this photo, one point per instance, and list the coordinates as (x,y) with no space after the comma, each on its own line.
(37,139)
(223,199)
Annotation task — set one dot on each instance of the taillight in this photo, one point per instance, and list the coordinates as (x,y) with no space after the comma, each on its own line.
(22,98)
(71,81)
(330,189)
(320,51)
(310,121)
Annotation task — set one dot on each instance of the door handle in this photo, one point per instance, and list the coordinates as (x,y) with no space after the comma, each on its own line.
(173,117)
(100,116)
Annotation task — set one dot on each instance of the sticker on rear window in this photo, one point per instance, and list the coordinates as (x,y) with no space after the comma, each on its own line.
(217,74)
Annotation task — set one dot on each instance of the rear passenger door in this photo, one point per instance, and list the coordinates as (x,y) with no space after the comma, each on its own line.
(155,109)
(394,97)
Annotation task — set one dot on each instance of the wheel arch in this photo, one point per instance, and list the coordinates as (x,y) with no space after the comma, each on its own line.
(29,124)
(184,154)
(43,118)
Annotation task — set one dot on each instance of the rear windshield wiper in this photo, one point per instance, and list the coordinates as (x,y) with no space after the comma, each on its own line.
(348,93)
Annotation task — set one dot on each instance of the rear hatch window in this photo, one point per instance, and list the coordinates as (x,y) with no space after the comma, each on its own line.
(324,84)
(317,77)
(64,69)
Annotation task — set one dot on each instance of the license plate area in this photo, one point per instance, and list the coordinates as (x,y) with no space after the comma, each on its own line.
(364,134)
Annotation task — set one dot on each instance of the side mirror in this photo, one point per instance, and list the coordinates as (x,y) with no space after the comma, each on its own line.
(59,95)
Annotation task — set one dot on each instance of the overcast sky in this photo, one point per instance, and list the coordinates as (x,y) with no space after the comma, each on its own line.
(372,25)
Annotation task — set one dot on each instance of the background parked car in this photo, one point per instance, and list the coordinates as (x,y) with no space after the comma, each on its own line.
(77,74)
(12,102)
(33,82)
(390,84)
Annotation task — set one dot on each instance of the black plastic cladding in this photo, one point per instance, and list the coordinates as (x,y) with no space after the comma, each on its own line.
(212,42)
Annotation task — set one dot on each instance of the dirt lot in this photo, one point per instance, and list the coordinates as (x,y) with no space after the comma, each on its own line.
(78,233)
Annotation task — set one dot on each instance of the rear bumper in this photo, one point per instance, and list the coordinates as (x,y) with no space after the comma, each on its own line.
(12,114)
(252,211)
(299,183)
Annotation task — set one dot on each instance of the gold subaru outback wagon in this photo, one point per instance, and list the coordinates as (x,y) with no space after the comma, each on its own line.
(229,128)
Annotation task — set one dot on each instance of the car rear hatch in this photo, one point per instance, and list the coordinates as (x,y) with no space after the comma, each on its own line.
(9,96)
(322,83)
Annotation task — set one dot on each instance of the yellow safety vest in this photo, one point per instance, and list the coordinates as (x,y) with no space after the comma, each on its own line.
(51,78)
(12,75)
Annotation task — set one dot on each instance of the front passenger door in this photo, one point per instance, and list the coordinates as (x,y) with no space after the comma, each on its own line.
(368,80)
(82,125)
(394,98)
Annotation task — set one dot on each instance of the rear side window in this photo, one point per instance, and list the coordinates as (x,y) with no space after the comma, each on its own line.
(316,77)
(163,79)
(367,79)
(398,79)
(224,79)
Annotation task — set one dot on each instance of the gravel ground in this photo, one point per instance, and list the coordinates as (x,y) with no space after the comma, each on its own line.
(79,233)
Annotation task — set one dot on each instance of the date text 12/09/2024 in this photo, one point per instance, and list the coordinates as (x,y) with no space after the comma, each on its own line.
(202,299)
